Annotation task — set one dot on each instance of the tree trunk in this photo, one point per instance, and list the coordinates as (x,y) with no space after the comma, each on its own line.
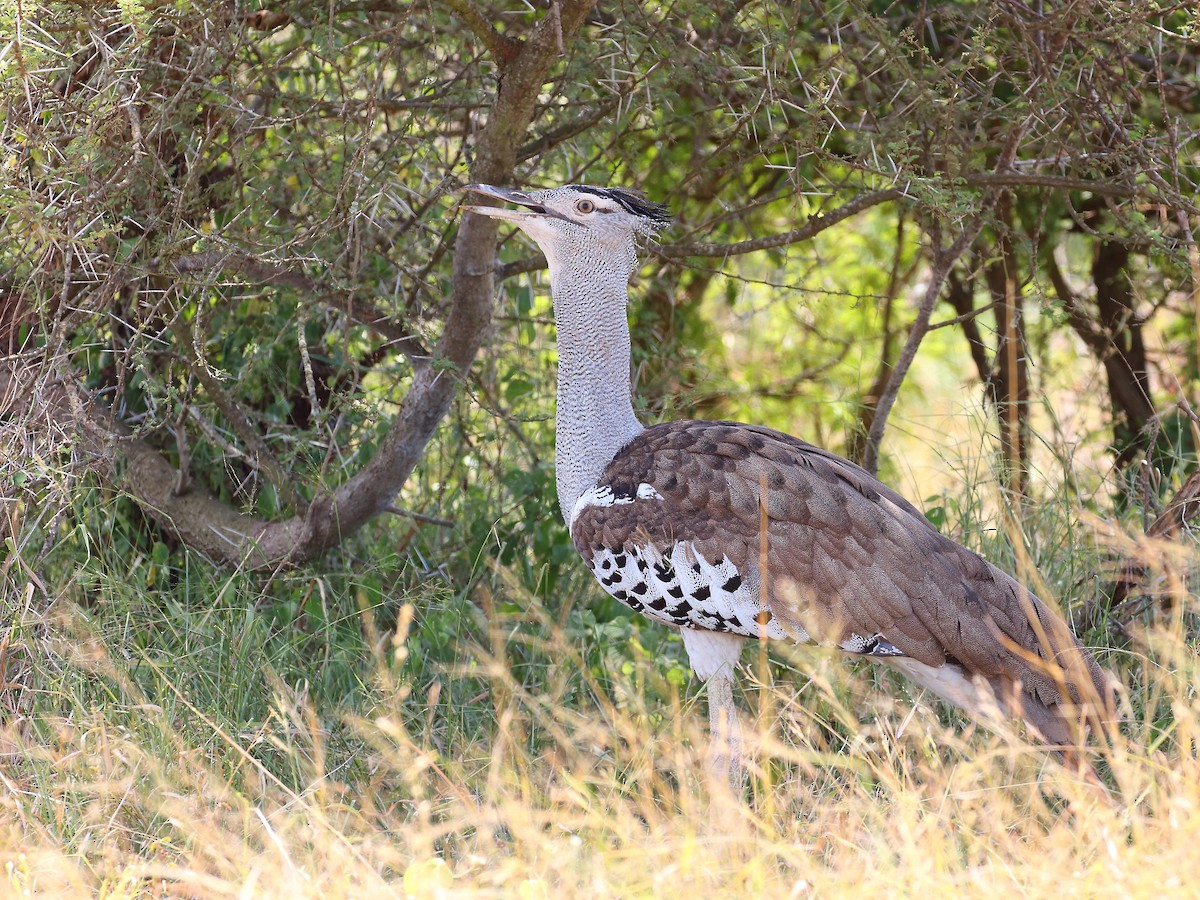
(1008,385)
(1124,354)
(1114,336)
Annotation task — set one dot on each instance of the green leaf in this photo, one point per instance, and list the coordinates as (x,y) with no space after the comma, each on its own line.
(516,389)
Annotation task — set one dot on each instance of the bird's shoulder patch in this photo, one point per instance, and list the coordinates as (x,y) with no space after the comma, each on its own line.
(605,496)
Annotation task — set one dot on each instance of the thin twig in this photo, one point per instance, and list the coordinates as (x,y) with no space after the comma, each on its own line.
(822,221)
(565,132)
(965,317)
(942,264)
(419,517)
(809,229)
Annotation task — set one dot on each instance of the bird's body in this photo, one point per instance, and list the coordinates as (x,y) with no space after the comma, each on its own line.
(730,531)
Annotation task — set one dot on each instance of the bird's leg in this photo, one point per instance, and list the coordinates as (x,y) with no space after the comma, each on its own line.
(714,657)
(725,748)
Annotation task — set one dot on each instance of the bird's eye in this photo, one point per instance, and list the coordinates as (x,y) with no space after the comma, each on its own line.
(585,206)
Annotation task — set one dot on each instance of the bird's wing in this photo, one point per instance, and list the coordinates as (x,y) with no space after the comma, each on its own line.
(845,560)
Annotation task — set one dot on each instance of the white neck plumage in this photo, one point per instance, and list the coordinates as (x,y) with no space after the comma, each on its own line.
(595,412)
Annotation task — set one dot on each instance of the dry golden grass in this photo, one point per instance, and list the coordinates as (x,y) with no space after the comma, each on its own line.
(614,805)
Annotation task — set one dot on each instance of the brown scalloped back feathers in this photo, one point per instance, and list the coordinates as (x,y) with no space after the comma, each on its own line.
(847,555)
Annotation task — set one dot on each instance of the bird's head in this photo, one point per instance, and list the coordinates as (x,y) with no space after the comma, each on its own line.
(576,219)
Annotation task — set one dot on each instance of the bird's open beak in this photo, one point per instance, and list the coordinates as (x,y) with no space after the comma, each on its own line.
(509,195)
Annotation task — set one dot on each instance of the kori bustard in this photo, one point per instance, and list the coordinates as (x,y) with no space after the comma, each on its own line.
(670,520)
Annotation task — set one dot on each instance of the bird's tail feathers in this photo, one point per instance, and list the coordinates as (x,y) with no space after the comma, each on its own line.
(1062,727)
(1066,681)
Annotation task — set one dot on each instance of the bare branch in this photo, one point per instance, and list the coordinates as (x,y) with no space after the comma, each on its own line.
(943,262)
(520,267)
(502,48)
(419,517)
(964,317)
(809,229)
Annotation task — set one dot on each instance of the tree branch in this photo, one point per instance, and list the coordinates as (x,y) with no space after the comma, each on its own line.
(565,132)
(943,263)
(1084,327)
(821,221)
(809,229)
(1053,182)
(961,297)
(102,444)
(520,267)
(502,48)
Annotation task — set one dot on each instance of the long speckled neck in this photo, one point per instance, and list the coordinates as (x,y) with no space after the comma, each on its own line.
(595,415)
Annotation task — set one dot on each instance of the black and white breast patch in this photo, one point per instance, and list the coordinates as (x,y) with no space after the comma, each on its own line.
(683,588)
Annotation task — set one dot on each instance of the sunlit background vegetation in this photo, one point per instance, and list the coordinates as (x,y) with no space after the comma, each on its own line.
(226,228)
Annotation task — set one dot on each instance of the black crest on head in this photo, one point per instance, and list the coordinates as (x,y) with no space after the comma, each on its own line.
(632,202)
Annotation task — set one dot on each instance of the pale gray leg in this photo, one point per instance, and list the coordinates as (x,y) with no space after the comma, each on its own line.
(725,749)
(714,656)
